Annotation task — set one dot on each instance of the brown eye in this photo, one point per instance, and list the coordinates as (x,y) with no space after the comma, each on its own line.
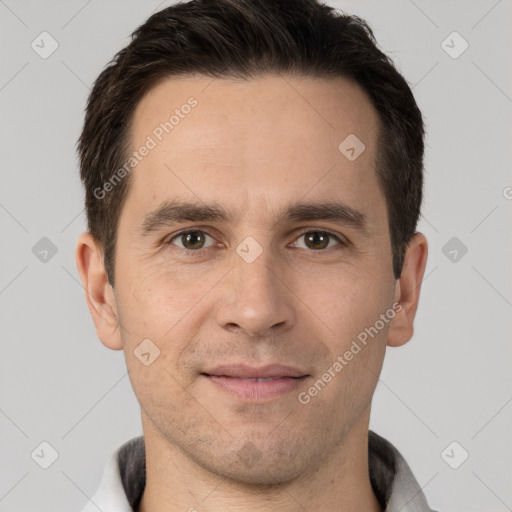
(318,240)
(191,240)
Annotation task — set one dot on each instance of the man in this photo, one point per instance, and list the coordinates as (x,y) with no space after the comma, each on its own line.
(253,176)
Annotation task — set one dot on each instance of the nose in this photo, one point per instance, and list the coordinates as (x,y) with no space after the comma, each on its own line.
(256,297)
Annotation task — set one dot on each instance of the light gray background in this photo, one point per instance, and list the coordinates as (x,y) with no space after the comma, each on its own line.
(452,382)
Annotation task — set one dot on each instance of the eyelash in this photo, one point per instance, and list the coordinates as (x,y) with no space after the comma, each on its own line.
(192,252)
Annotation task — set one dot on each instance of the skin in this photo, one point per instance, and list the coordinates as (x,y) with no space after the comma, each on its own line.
(254,147)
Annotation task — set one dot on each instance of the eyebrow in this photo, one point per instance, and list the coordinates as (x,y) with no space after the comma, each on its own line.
(171,212)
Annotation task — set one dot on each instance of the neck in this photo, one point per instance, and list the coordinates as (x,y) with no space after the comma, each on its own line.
(340,482)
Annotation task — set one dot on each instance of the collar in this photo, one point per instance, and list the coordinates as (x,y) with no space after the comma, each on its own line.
(124,479)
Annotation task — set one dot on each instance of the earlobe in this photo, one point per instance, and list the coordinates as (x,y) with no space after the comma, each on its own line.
(99,295)
(407,291)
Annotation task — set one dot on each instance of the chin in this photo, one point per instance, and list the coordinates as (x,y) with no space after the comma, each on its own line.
(260,467)
(263,477)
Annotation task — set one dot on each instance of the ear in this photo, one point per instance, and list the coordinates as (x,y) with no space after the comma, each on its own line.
(99,295)
(407,291)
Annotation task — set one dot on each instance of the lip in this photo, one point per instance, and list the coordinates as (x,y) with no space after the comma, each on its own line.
(256,391)
(242,371)
(240,381)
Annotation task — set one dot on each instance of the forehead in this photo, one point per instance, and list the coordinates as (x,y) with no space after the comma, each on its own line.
(256,143)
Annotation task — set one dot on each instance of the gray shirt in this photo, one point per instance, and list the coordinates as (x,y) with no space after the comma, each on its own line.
(394,485)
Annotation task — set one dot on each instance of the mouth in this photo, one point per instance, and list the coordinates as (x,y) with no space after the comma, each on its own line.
(256,384)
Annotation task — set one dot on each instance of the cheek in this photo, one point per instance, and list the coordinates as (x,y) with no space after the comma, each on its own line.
(155,297)
(162,307)
(355,336)
(154,349)
(348,300)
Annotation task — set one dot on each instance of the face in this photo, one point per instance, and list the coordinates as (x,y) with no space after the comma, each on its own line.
(267,280)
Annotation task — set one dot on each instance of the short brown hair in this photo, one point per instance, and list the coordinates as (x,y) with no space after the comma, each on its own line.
(242,39)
